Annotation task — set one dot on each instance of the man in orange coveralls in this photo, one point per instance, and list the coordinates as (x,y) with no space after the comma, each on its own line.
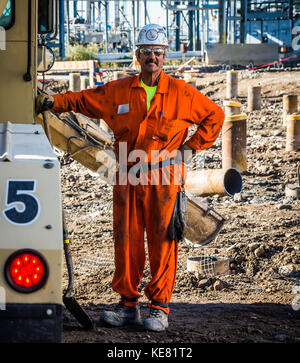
(151,112)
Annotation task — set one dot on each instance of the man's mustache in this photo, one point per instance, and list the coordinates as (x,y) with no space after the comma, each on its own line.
(151,61)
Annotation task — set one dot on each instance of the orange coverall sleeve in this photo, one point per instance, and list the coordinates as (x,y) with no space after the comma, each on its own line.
(210,118)
(89,102)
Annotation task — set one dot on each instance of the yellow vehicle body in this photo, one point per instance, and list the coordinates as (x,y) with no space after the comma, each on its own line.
(30,196)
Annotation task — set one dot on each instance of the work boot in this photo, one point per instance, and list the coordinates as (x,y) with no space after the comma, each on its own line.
(122,315)
(157,320)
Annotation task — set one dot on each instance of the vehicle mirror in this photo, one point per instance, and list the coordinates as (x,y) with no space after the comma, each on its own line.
(45,59)
(45,18)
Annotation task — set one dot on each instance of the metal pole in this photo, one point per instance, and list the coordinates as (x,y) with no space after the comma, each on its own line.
(75,8)
(133,25)
(117,16)
(61,29)
(138,14)
(290,103)
(231,84)
(167,22)
(234,137)
(177,28)
(202,30)
(290,106)
(99,14)
(68,21)
(197,20)
(292,133)
(93,14)
(146,13)
(88,12)
(224,21)
(106,26)
(206,24)
(74,82)
(244,14)
(190,15)
(254,98)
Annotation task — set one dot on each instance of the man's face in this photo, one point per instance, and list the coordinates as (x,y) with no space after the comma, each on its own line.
(151,57)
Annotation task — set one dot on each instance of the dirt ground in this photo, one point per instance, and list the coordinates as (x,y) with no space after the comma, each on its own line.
(259,301)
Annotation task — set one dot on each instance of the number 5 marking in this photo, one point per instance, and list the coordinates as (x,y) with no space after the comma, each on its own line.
(19,193)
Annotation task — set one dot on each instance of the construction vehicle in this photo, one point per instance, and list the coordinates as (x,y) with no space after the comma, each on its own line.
(31,248)
(33,236)
(31,222)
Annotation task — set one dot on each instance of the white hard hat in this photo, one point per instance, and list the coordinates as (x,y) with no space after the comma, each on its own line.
(152,34)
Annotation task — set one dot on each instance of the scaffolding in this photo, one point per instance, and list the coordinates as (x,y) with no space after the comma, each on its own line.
(190,24)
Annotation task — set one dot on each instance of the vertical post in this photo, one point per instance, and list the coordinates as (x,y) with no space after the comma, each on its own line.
(167,22)
(68,22)
(231,84)
(88,11)
(137,14)
(177,36)
(292,133)
(74,82)
(234,135)
(91,73)
(83,83)
(292,122)
(99,13)
(133,24)
(145,9)
(61,29)
(198,45)
(254,98)
(191,26)
(117,16)
(290,104)
(206,24)
(244,21)
(203,35)
(75,8)
(106,26)
(221,21)
(234,23)
(93,14)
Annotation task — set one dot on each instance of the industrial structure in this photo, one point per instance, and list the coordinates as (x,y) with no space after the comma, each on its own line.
(190,25)
(32,220)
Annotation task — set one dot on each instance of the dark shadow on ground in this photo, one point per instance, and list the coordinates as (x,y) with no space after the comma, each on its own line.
(197,323)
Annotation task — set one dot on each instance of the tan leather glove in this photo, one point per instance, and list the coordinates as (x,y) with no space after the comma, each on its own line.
(186,153)
(43,102)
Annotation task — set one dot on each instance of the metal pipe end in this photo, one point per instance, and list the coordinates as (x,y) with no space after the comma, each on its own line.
(232,181)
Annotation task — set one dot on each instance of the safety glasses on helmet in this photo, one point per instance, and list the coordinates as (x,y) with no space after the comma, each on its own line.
(147,51)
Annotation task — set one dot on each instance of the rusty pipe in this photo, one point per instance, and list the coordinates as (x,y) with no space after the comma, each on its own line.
(214,181)
(290,103)
(232,108)
(292,133)
(231,84)
(74,82)
(234,134)
(254,98)
(289,106)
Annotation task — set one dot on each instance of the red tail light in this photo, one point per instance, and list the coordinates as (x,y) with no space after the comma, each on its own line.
(26,270)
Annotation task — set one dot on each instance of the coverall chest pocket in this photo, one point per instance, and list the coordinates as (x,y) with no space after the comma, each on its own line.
(169,128)
(166,129)
(120,127)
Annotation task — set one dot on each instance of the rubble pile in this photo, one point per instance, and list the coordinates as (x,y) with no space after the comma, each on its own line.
(261,235)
